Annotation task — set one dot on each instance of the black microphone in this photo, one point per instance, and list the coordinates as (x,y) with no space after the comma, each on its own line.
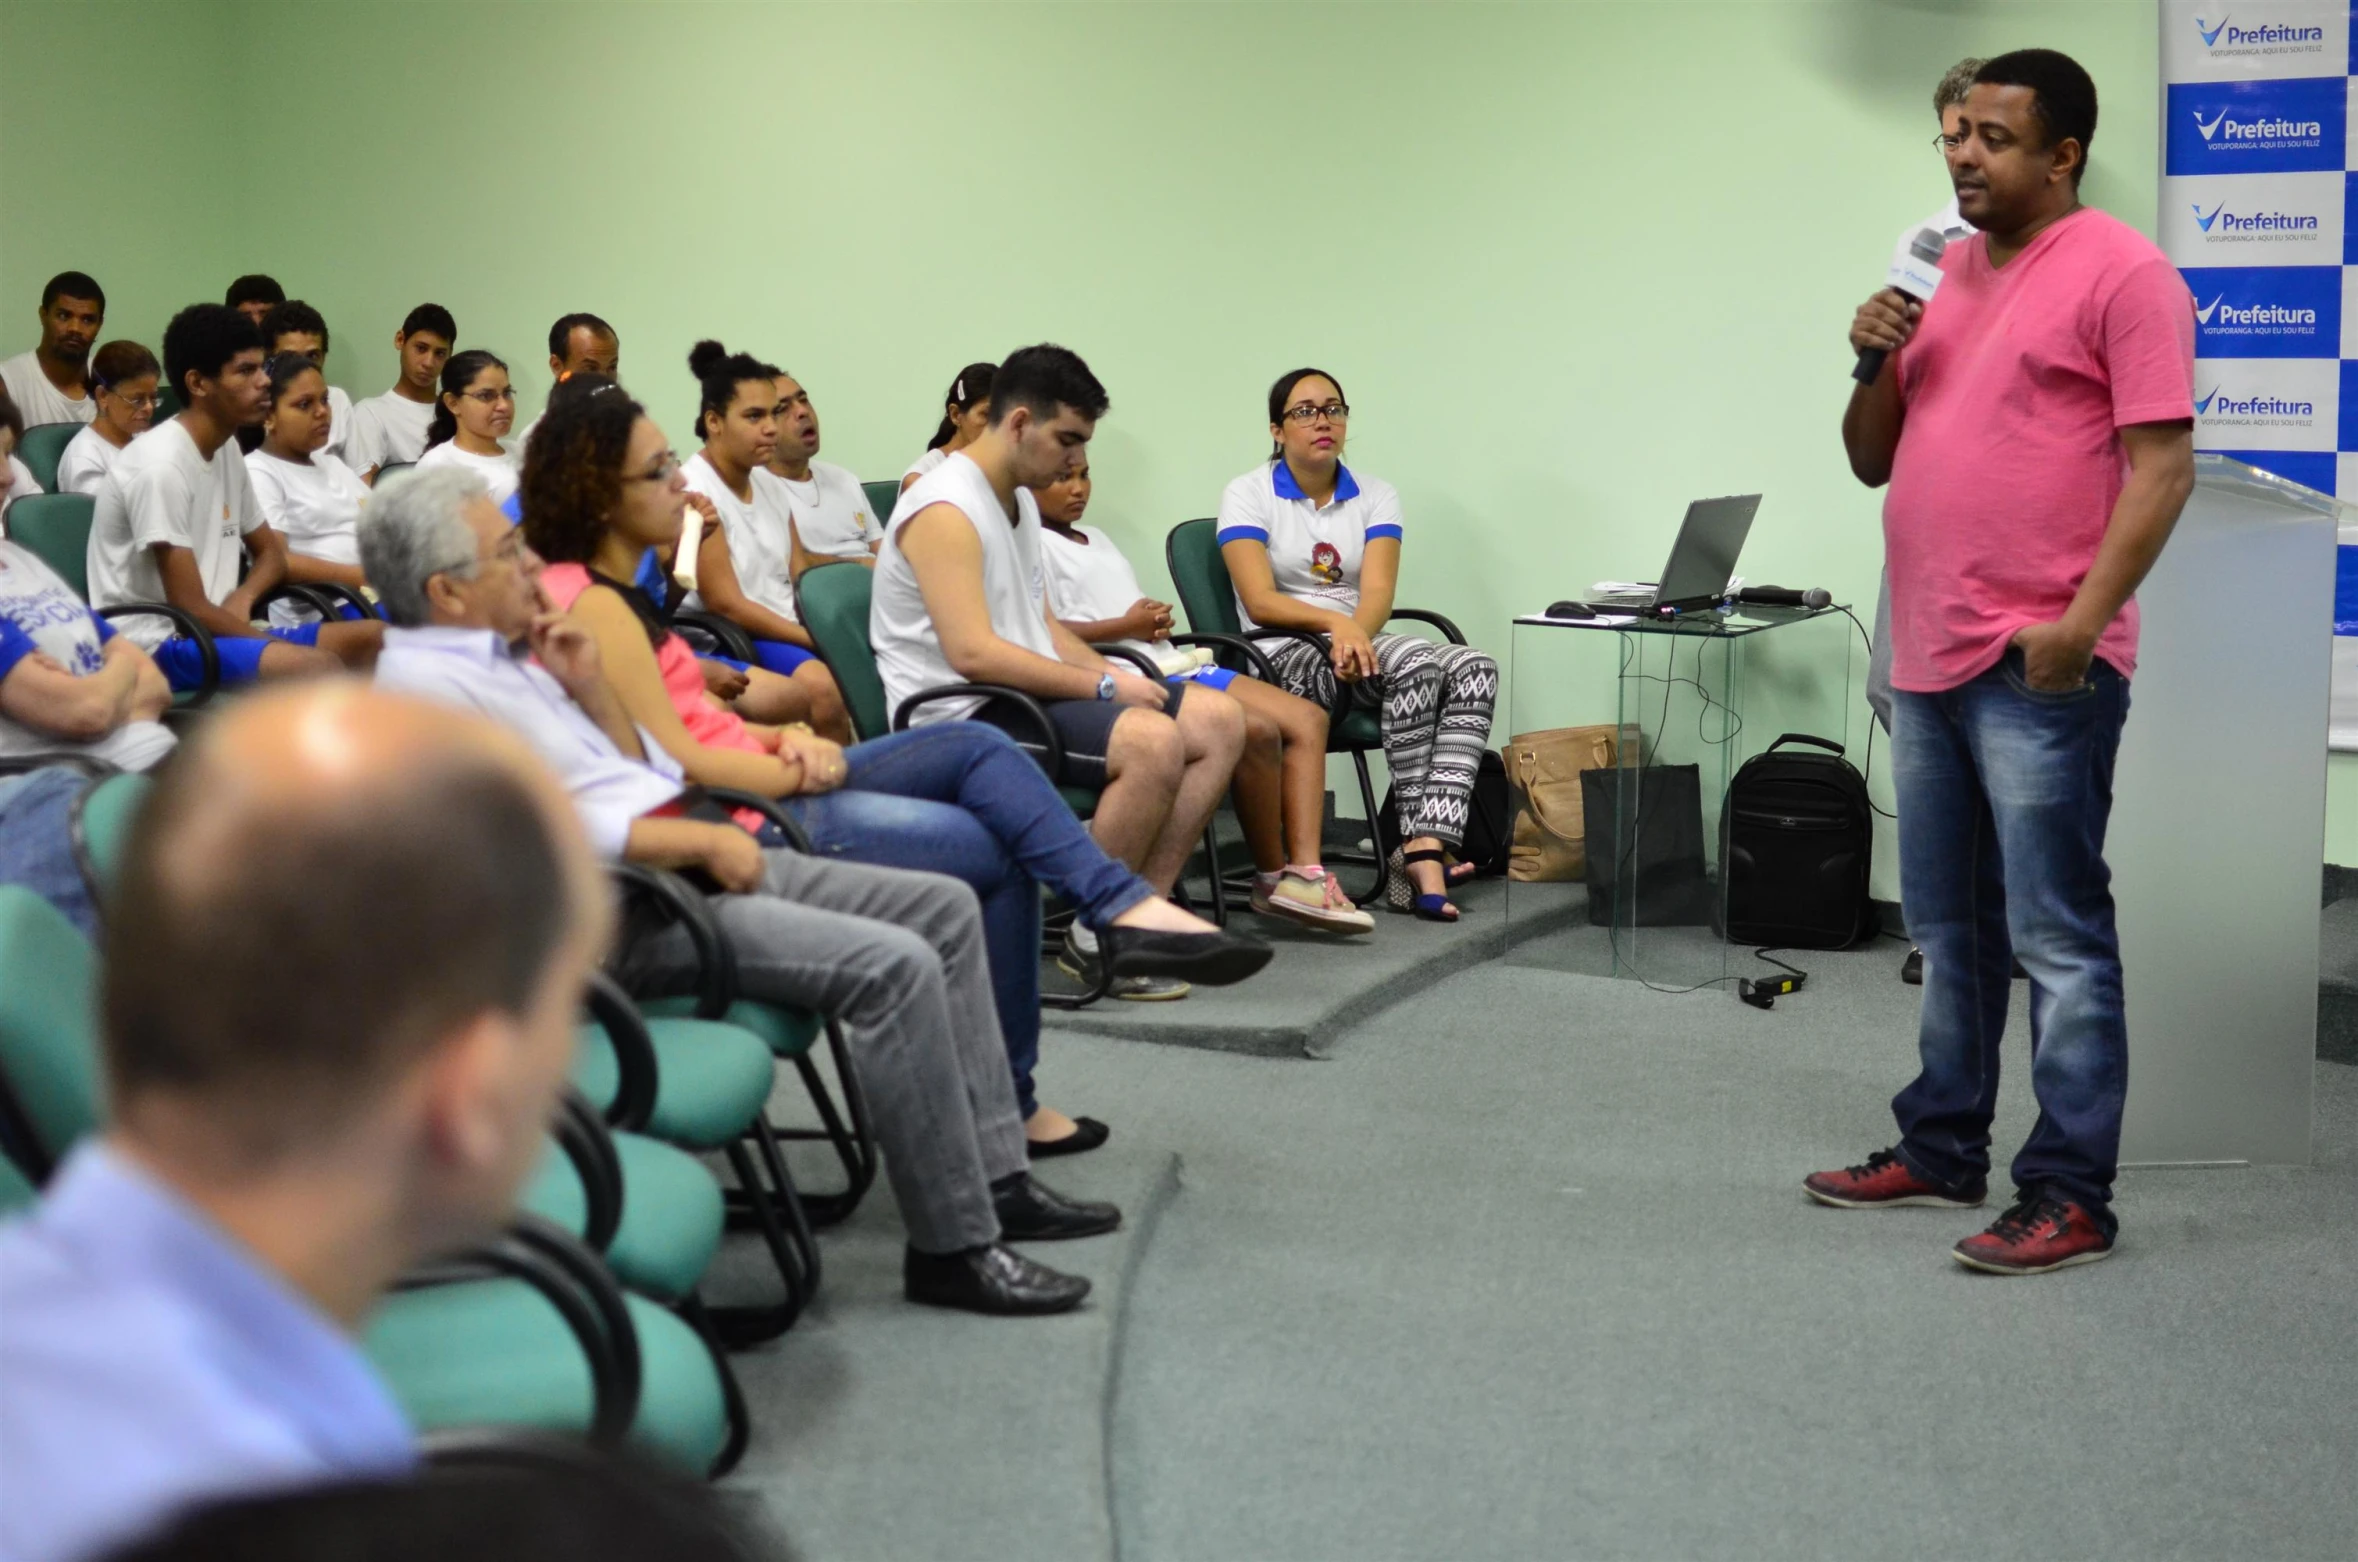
(1914,271)
(1786,596)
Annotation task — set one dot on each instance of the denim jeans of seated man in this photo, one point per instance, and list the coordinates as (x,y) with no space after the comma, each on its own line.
(959,797)
(2004,793)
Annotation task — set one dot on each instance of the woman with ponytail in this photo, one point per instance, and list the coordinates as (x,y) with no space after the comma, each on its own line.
(472,416)
(966,412)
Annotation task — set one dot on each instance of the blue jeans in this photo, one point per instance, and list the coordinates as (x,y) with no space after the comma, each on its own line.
(959,797)
(2004,794)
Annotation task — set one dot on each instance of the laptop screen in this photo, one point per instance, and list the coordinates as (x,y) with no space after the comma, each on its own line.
(1704,557)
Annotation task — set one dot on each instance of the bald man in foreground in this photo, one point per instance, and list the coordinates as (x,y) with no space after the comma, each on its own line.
(342,968)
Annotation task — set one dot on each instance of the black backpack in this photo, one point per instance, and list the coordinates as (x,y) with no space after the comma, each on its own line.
(1794,845)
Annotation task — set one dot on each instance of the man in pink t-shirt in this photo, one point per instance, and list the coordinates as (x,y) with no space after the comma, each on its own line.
(2035,423)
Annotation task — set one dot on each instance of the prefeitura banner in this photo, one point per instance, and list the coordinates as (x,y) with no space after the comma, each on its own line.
(2259,208)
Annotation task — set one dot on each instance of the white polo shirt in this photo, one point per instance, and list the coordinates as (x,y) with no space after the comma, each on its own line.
(755,530)
(386,428)
(831,512)
(39,401)
(500,473)
(162,491)
(1314,553)
(85,461)
(908,651)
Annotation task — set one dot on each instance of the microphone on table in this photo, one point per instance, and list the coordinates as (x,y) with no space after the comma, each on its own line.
(1914,271)
(1786,596)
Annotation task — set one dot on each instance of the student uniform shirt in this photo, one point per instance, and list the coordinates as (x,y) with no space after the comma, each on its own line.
(385,429)
(1314,553)
(500,473)
(755,530)
(40,615)
(38,400)
(163,491)
(831,512)
(908,651)
(85,461)
(314,504)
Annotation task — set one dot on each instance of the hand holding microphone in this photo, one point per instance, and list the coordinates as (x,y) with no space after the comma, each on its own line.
(1885,322)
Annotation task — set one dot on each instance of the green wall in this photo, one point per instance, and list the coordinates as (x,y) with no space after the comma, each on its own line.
(1575,263)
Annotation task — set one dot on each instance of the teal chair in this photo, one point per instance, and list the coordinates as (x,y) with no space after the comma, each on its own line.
(528,1330)
(1192,551)
(41,449)
(56,529)
(98,821)
(881,498)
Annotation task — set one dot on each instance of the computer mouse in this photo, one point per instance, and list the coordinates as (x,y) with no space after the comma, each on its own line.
(1570,610)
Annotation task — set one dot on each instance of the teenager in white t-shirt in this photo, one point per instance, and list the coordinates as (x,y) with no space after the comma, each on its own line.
(478,407)
(50,384)
(68,681)
(393,427)
(1280,788)
(296,327)
(966,412)
(310,497)
(741,564)
(1313,546)
(123,380)
(177,515)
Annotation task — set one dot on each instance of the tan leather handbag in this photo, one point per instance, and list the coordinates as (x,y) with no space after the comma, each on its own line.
(1544,770)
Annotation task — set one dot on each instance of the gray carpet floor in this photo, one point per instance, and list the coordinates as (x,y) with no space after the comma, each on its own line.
(1522,1270)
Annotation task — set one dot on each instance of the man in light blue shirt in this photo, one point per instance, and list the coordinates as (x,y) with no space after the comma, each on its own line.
(344,956)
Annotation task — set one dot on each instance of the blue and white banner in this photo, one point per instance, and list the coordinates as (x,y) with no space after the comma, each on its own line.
(2259,208)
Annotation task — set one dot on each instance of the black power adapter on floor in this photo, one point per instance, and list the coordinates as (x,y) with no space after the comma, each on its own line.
(1763,992)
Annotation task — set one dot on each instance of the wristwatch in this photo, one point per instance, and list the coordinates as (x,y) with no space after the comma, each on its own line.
(1105,686)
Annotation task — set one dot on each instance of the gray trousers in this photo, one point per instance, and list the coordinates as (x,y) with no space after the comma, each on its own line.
(898,958)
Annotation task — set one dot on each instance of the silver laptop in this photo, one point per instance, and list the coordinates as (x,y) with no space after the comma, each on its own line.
(1702,560)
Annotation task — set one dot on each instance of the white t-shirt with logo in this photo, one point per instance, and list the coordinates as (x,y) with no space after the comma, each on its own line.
(500,473)
(39,614)
(38,400)
(908,650)
(831,512)
(314,504)
(755,530)
(386,428)
(1314,553)
(85,461)
(164,492)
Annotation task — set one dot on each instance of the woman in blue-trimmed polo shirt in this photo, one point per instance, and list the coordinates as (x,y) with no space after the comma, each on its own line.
(1312,545)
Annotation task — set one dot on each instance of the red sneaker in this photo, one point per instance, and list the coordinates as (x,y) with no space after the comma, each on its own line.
(2040,1233)
(1885,1182)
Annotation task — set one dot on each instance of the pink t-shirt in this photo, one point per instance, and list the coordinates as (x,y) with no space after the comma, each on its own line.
(683,680)
(2009,462)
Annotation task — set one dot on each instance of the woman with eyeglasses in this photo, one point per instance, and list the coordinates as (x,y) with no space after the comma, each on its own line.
(475,411)
(966,412)
(312,498)
(1312,545)
(954,797)
(123,377)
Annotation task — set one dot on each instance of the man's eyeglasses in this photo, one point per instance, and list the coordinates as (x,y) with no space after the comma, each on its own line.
(1332,412)
(491,398)
(1944,142)
(662,473)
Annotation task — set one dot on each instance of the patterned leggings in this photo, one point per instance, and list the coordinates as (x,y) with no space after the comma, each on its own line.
(1434,702)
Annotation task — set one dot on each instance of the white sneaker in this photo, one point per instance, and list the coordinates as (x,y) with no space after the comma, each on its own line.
(1311,898)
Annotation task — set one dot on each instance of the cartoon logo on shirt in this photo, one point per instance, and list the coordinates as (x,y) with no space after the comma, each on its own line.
(1326,564)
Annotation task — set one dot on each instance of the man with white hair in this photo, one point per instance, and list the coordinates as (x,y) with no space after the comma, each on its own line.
(897,956)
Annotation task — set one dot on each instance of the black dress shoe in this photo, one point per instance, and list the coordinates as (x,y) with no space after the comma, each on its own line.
(995,1280)
(1088,1133)
(1216,959)
(1912,968)
(1031,1211)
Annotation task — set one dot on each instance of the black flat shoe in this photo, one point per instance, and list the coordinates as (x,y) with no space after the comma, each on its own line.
(996,1281)
(1088,1133)
(1216,959)
(1912,968)
(1031,1211)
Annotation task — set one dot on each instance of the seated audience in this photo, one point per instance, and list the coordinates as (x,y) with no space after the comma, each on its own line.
(254,295)
(343,966)
(832,518)
(16,478)
(308,497)
(68,682)
(966,412)
(600,487)
(177,514)
(898,957)
(475,412)
(296,327)
(741,564)
(1311,545)
(392,427)
(123,378)
(578,344)
(958,598)
(49,383)
(1280,786)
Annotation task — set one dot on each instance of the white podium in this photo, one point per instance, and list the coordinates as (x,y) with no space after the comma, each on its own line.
(2218,826)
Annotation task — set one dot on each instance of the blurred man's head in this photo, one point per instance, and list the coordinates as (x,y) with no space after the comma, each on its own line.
(346,952)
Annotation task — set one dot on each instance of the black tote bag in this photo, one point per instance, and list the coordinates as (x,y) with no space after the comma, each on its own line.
(1664,846)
